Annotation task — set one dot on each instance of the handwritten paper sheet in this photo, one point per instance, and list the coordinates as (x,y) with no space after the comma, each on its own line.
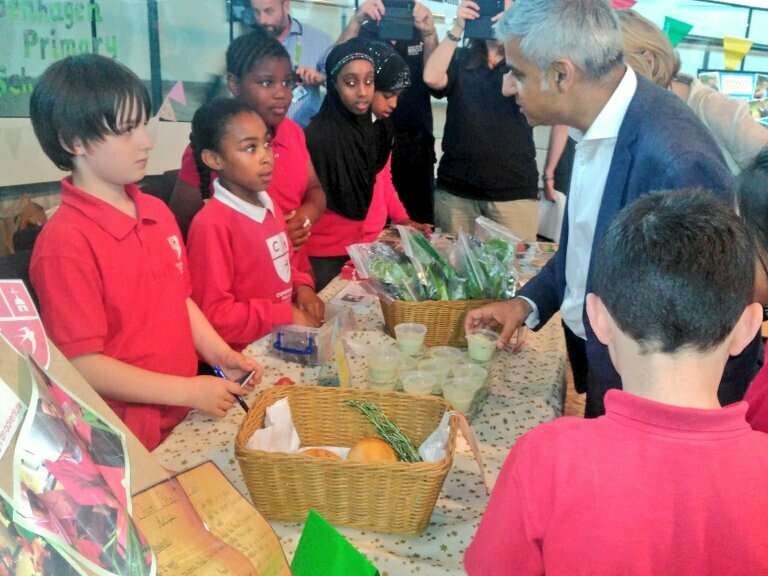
(233,519)
(180,540)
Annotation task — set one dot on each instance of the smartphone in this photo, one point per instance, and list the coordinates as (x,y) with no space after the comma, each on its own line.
(397,23)
(482,27)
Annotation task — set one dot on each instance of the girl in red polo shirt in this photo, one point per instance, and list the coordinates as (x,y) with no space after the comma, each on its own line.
(240,258)
(259,73)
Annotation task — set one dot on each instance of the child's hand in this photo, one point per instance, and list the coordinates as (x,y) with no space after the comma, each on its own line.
(237,365)
(297,226)
(212,395)
(308,301)
(301,318)
(426,229)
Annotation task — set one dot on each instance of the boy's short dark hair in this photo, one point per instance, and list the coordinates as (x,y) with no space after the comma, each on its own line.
(81,97)
(676,269)
(752,197)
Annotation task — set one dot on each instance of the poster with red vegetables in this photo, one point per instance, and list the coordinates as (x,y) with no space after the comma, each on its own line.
(70,484)
(22,552)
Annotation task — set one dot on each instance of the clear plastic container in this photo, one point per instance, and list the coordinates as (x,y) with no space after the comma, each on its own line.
(459,394)
(481,345)
(410,337)
(448,354)
(417,382)
(472,374)
(382,367)
(438,369)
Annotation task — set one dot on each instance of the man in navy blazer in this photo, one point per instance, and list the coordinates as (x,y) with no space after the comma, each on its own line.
(633,137)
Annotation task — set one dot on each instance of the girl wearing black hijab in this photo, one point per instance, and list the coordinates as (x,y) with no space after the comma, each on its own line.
(349,150)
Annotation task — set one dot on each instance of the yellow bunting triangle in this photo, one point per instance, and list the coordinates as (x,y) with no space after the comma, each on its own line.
(735,49)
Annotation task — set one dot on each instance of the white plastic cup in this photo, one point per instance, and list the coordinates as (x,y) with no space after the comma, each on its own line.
(417,382)
(382,367)
(459,394)
(439,369)
(481,345)
(473,375)
(410,337)
(448,354)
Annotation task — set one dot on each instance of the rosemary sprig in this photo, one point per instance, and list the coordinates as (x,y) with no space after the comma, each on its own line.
(388,430)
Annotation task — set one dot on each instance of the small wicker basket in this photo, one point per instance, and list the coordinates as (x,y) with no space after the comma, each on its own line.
(382,497)
(444,319)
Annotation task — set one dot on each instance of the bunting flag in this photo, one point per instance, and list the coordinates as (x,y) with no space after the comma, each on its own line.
(177,93)
(166,111)
(676,30)
(735,49)
(623,4)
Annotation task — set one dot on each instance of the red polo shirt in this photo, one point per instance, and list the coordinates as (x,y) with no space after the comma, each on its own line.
(646,489)
(115,285)
(290,173)
(757,398)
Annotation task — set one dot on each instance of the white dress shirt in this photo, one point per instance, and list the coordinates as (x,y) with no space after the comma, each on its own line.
(591,164)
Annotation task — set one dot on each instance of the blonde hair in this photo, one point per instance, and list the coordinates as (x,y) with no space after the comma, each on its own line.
(647,49)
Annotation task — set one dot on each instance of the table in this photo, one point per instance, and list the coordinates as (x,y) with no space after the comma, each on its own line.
(525,389)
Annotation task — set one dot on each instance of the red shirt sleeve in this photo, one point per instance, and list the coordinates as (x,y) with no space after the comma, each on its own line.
(504,542)
(211,264)
(71,299)
(188,172)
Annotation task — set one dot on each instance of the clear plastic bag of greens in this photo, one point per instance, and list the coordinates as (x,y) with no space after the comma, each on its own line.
(470,267)
(500,243)
(392,270)
(433,271)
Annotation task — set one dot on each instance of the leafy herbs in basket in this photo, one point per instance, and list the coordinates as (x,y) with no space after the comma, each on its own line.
(388,430)
(466,269)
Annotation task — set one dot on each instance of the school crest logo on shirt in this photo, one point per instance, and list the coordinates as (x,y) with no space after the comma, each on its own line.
(20,324)
(280,251)
(175,244)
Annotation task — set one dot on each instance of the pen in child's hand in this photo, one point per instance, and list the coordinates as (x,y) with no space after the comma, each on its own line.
(220,373)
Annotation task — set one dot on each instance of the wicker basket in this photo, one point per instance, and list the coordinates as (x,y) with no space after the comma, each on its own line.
(382,497)
(444,319)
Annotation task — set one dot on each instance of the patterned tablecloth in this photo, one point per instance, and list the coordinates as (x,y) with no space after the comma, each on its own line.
(525,389)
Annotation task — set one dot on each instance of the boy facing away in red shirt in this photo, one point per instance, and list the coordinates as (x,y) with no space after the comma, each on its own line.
(110,268)
(667,481)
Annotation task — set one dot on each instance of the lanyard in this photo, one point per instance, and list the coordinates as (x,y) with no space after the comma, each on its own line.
(297,52)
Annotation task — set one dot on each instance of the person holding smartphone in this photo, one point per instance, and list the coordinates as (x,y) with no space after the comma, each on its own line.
(488,165)
(413,155)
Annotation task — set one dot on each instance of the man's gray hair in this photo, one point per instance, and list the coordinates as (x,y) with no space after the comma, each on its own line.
(587,32)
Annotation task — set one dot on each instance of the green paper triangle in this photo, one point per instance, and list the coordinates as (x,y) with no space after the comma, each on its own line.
(676,30)
(322,551)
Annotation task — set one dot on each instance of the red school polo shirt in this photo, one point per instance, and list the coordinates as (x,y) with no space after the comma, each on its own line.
(385,204)
(332,233)
(115,285)
(243,271)
(290,174)
(757,398)
(646,489)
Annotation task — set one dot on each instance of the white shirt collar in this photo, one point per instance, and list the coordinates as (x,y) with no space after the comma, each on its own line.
(608,122)
(257,213)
